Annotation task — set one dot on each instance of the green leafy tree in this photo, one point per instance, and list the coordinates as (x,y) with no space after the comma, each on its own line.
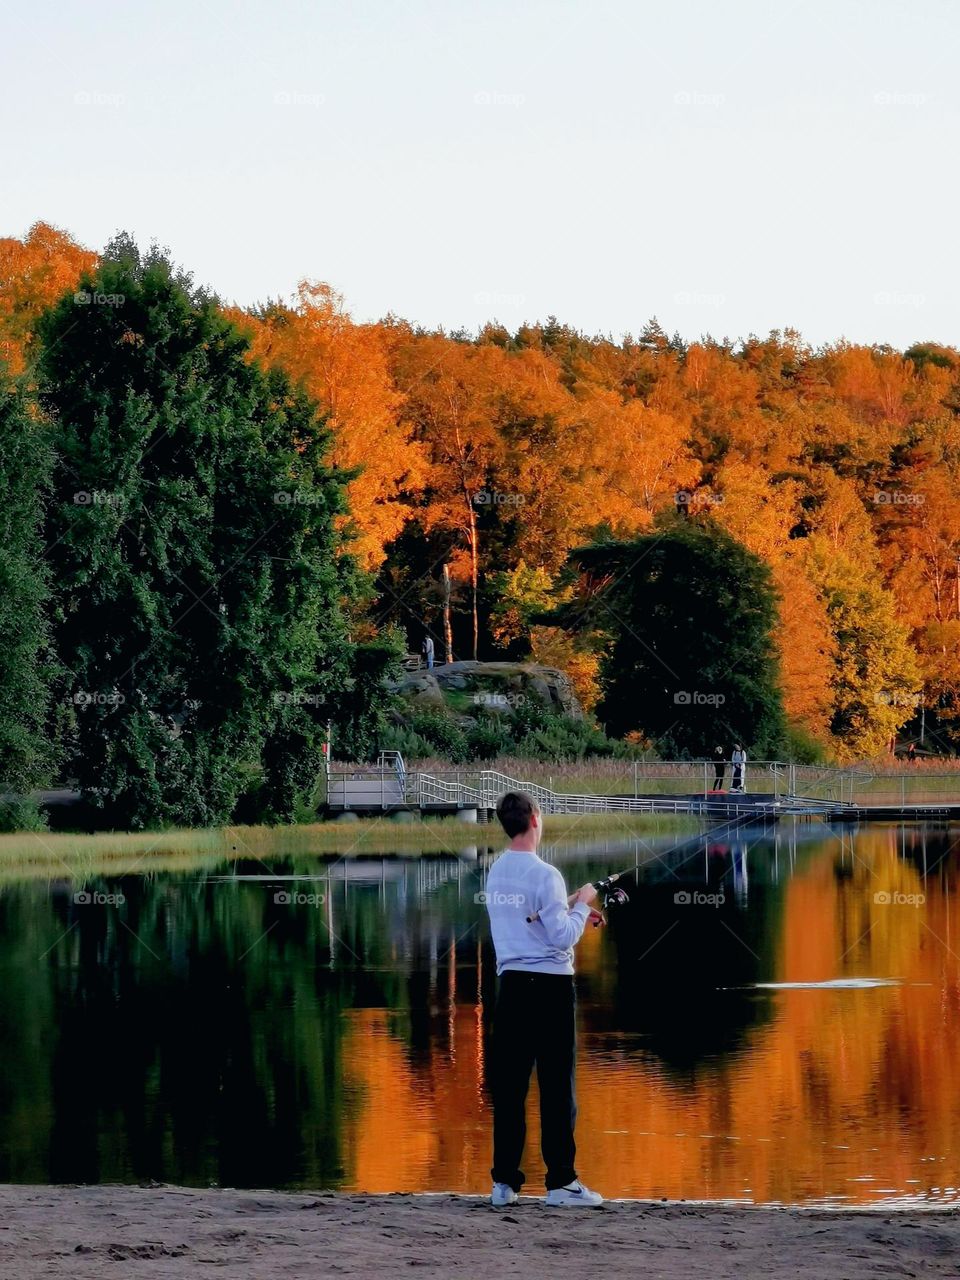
(520,593)
(25,462)
(687,615)
(361,724)
(192,541)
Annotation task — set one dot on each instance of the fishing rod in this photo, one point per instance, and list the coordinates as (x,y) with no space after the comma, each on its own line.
(612,894)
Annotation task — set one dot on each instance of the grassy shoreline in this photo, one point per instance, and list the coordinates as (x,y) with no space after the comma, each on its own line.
(51,854)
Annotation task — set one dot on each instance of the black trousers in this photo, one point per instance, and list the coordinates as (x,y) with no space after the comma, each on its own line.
(718,771)
(534,1024)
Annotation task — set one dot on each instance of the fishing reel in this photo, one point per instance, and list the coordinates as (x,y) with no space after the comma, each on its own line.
(611,894)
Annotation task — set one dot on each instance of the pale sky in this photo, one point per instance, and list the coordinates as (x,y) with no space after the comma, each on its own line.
(729,166)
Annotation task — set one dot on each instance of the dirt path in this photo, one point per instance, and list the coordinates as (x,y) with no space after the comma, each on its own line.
(171,1231)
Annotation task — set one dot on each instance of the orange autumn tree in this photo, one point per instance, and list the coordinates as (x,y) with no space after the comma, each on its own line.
(639,458)
(795,451)
(34,273)
(452,399)
(345,368)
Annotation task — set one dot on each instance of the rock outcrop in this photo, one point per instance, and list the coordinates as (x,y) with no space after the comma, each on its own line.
(498,686)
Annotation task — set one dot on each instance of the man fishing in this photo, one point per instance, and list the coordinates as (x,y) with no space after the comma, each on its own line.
(535,927)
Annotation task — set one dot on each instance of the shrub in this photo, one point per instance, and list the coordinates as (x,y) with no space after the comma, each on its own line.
(411,746)
(802,747)
(443,734)
(487,740)
(21,815)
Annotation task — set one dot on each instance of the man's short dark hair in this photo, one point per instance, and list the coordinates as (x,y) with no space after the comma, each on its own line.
(515,809)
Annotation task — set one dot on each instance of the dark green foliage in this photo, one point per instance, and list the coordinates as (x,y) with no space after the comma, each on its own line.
(802,747)
(22,815)
(688,616)
(25,664)
(487,740)
(531,731)
(410,745)
(363,707)
(566,739)
(191,536)
(442,732)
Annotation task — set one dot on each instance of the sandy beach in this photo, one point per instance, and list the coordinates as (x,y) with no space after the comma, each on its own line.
(173,1231)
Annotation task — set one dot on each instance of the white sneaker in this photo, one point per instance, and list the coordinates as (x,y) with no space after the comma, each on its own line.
(502,1195)
(575,1193)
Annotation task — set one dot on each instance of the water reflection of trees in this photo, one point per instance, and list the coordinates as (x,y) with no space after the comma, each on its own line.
(205,1032)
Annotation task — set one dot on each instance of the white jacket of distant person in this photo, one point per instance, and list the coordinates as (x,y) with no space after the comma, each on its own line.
(738,759)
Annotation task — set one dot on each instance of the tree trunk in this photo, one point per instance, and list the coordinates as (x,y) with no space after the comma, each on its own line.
(447,628)
(473,576)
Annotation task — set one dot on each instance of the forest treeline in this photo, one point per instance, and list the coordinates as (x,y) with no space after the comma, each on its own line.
(477,463)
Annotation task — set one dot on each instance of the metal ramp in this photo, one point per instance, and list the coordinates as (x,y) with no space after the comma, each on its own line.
(673,787)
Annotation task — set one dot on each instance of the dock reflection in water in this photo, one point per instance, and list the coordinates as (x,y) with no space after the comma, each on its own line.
(775,1016)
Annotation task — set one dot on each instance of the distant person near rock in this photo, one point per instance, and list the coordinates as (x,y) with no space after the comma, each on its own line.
(428,651)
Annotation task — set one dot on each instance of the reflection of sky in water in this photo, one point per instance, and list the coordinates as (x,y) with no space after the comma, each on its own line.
(774,1016)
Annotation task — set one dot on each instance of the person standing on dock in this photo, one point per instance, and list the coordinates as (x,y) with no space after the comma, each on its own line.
(739,761)
(719,767)
(535,927)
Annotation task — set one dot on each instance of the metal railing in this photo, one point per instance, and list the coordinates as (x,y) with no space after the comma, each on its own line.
(682,786)
(488,785)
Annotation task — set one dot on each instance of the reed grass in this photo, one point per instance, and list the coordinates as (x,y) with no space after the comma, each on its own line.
(54,854)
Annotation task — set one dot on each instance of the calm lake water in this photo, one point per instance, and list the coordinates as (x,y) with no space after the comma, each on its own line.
(775,1016)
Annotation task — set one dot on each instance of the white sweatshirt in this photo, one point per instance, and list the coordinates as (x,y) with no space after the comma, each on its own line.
(519,885)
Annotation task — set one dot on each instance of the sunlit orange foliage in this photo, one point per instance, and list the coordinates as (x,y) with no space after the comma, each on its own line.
(34,273)
(344,366)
